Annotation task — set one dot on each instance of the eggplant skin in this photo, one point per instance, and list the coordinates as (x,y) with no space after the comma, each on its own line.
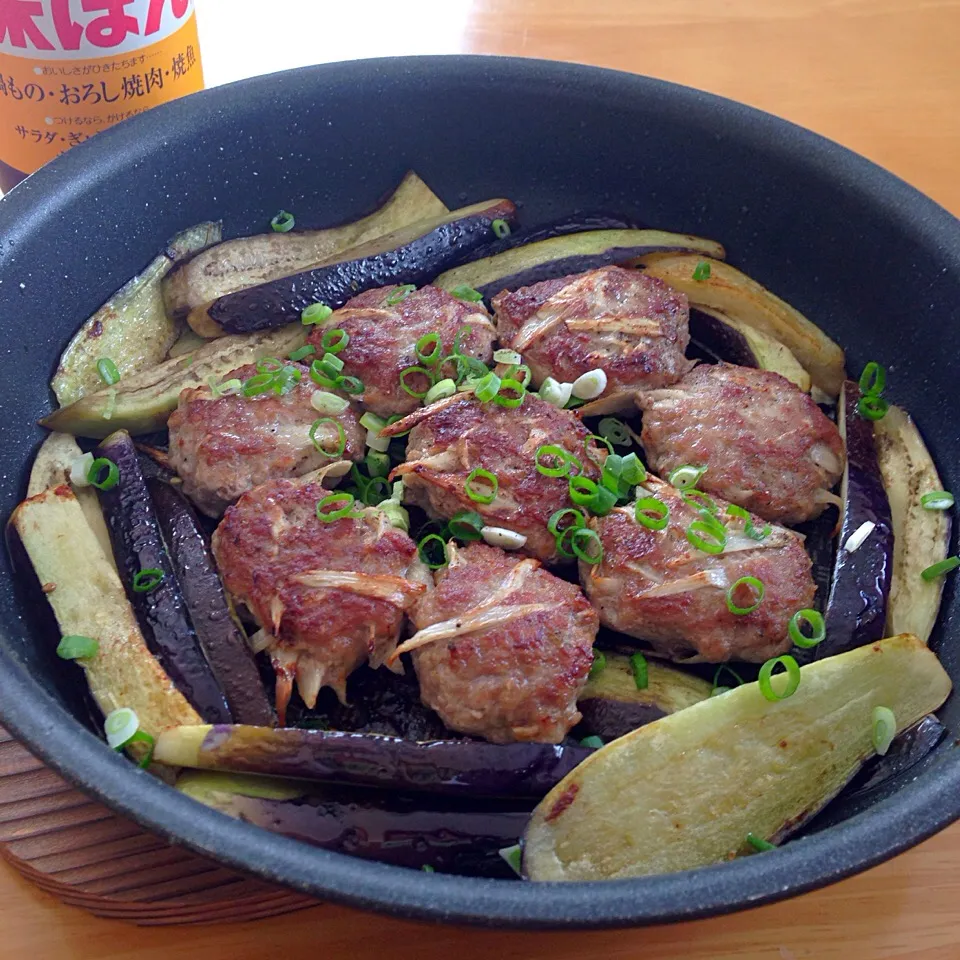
(453,768)
(415,255)
(408,831)
(222,641)
(857,605)
(161,612)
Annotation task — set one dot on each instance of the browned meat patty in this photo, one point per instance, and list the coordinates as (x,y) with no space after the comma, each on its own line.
(451,438)
(328,595)
(222,447)
(503,647)
(631,326)
(657,586)
(383,336)
(766,445)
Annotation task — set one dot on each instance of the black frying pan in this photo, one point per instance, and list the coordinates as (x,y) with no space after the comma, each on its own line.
(860,252)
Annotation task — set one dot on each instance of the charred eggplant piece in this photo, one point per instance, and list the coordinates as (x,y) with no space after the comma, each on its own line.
(248,261)
(562,256)
(921,537)
(611,704)
(142,403)
(857,606)
(161,609)
(724,338)
(223,644)
(415,254)
(132,328)
(415,832)
(450,767)
(730,766)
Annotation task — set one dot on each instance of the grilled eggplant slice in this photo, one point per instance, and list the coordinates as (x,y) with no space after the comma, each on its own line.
(416,832)
(414,254)
(685,791)
(857,605)
(88,599)
(161,610)
(521,266)
(723,338)
(611,704)
(142,403)
(450,767)
(921,537)
(248,261)
(743,299)
(221,639)
(132,328)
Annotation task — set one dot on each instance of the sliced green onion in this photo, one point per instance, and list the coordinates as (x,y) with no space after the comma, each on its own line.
(716,537)
(872,407)
(120,726)
(400,294)
(510,394)
(701,271)
(519,371)
(590,385)
(373,422)
(396,515)
(377,443)
(111,405)
(704,505)
(286,379)
(427,868)
(261,383)
(873,380)
(505,355)
(514,858)
(433,557)
(301,353)
(599,664)
(759,844)
(641,674)
(145,581)
(594,743)
(328,516)
(351,385)
(583,490)
(324,402)
(884,729)
(748,528)
(937,500)
(378,464)
(586,544)
(282,222)
(718,675)
(939,569)
(440,390)
(500,228)
(611,471)
(416,371)
(105,481)
(791,670)
(315,313)
(758,590)
(478,495)
(597,439)
(465,330)
(77,648)
(466,292)
(487,388)
(269,365)
(632,470)
(226,389)
(686,476)
(615,431)
(651,513)
(554,393)
(341,438)
(428,349)
(577,519)
(320,376)
(335,340)
(812,619)
(331,364)
(108,371)
(466,525)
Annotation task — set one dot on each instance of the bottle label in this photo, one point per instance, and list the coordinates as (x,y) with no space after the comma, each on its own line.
(70,68)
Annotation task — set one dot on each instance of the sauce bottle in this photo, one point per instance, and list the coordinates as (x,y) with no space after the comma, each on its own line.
(69,68)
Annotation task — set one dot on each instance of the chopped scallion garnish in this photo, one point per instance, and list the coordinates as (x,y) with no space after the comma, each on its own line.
(759,844)
(555,393)
(324,402)
(416,371)
(103,481)
(641,673)
(651,513)
(487,388)
(756,589)
(500,228)
(549,453)
(939,569)
(440,391)
(486,492)
(719,688)
(282,222)
(108,371)
(791,671)
(590,385)
(710,537)
(378,464)
(328,516)
(400,294)
(937,500)
(599,664)
(428,349)
(315,313)
(260,383)
(685,477)
(329,447)
(872,407)
(433,551)
(335,340)
(145,581)
(467,293)
(813,620)
(269,365)
(748,528)
(873,380)
(301,353)
(577,519)
(77,648)
(701,271)
(466,526)
(884,729)
(510,394)
(586,545)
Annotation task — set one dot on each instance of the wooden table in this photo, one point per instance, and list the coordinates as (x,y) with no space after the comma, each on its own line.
(881,76)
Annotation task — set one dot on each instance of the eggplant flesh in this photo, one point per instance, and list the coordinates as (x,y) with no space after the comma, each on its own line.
(857,606)
(413,255)
(449,767)
(611,704)
(162,611)
(224,645)
(565,255)
(407,831)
